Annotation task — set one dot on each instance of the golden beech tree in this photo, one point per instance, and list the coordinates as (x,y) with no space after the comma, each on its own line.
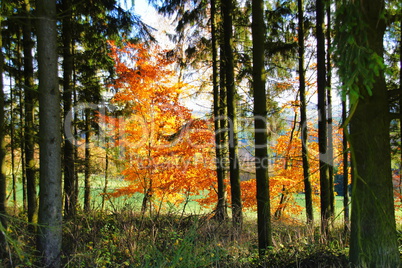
(288,169)
(168,154)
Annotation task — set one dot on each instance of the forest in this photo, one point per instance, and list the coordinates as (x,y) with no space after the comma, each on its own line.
(201,133)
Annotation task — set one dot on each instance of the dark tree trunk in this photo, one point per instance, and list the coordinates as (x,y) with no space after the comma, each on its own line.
(227,14)
(12,145)
(260,125)
(29,129)
(69,164)
(345,170)
(221,207)
(50,195)
(18,82)
(303,118)
(330,145)
(373,241)
(322,119)
(3,180)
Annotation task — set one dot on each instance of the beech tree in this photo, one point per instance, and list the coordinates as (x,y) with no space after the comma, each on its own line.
(168,153)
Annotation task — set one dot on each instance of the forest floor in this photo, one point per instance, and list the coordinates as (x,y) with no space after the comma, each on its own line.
(118,235)
(128,239)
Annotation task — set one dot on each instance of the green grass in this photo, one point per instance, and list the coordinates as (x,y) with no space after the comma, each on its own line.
(192,207)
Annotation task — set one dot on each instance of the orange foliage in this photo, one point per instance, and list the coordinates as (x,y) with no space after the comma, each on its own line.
(288,168)
(168,154)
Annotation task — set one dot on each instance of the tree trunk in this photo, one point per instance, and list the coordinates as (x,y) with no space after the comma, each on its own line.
(303,118)
(330,145)
(3,180)
(260,128)
(18,82)
(12,145)
(50,195)
(345,170)
(373,240)
(69,165)
(29,129)
(322,119)
(221,207)
(227,14)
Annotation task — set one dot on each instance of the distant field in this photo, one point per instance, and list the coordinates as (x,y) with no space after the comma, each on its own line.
(192,207)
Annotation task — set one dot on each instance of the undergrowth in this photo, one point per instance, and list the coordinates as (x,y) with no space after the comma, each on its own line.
(128,239)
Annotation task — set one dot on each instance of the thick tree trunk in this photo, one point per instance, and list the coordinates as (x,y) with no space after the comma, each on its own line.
(29,129)
(260,126)
(227,14)
(69,164)
(50,195)
(373,232)
(322,119)
(303,118)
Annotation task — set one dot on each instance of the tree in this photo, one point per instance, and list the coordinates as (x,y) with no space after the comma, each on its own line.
(3,178)
(330,146)
(227,15)
(322,116)
(68,149)
(29,101)
(50,194)
(168,154)
(219,120)
(345,172)
(303,116)
(359,51)
(260,128)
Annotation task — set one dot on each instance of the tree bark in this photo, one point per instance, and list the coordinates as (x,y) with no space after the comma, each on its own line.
(29,103)
(303,118)
(322,119)
(373,232)
(221,207)
(227,14)
(330,145)
(260,128)
(3,179)
(50,195)
(69,164)
(345,170)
